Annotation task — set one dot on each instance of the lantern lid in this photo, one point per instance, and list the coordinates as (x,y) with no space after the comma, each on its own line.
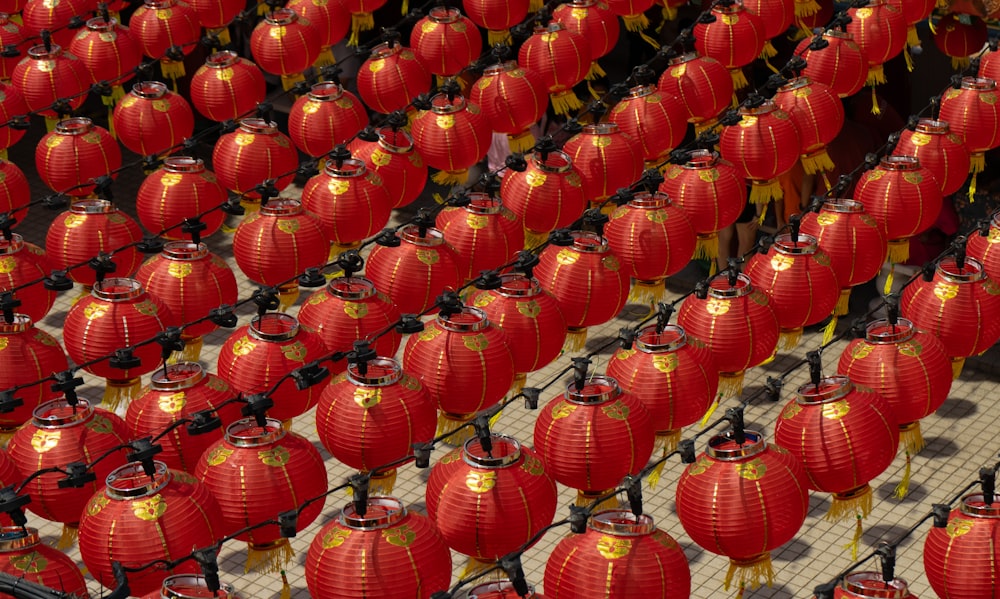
(326,91)
(980,84)
(117,289)
(15,538)
(900,163)
(411,234)
(552,27)
(701,158)
(246,433)
(883,332)
(382,512)
(185,251)
(725,448)
(518,285)
(351,288)
(597,389)
(683,58)
(498,69)
(796,83)
(621,522)
(158,4)
(222,59)
(385,50)
(348,169)
(650,200)
(484,203)
(933,127)
(830,388)
(843,206)
(442,104)
(259,126)
(838,34)
(506,452)
(589,242)
(130,481)
(467,321)
(281,16)
(444,14)
(671,338)
(281,207)
(20,324)
(178,376)
(975,505)
(381,372)
(766,108)
(640,91)
(395,141)
(719,288)
(183,164)
(602,128)
(970,272)
(150,90)
(193,586)
(274,327)
(101,25)
(554,162)
(503,588)
(806,244)
(728,9)
(76,125)
(59,414)
(92,206)
(870,584)
(40,52)
(11,246)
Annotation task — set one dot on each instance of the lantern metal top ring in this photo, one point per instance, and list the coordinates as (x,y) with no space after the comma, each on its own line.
(13,538)
(382,512)
(622,522)
(830,388)
(246,433)
(882,331)
(59,414)
(380,372)
(975,505)
(725,448)
(671,338)
(130,481)
(175,377)
(506,451)
(597,389)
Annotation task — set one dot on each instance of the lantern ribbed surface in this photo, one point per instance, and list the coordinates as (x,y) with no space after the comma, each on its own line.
(593,435)
(391,77)
(54,16)
(485,234)
(137,518)
(841,63)
(548,195)
(27,354)
(512,100)
(76,153)
(330,18)
(631,12)
(959,39)
(175,392)
(151,119)
(15,194)
(256,355)
(25,557)
(818,115)
(561,57)
(21,263)
(656,120)
(253,153)
(285,44)
(445,41)
(623,554)
(879,29)
(452,136)
(775,15)
(416,271)
(350,202)
(594,20)
(44,76)
(734,38)
(11,34)
(962,559)
(227,86)
(182,188)
(160,24)
(764,145)
(325,117)
(859,585)
(279,242)
(989,66)
(349,309)
(107,49)
(390,154)
(606,158)
(981,247)
(216,14)
(939,150)
(11,104)
(702,83)
(405,555)
(974,115)
(487,505)
(496,16)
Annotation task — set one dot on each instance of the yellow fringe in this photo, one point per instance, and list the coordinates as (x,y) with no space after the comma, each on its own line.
(448,423)
(565,102)
(909,60)
(646,38)
(336,249)
(876,75)
(707,247)
(406,7)
(636,22)
(497,36)
(876,110)
(654,477)
(117,392)
(855,543)
(7,434)
(50,123)
(325,57)
(749,573)
(762,215)
(474,567)
(790,338)
(586,499)
(595,72)
(730,384)
(286,425)
(830,329)
(495,418)
(972,188)
(899,251)
(957,364)
(960,63)
(843,302)
(535,5)
(765,191)
(223,34)
(69,536)
(382,484)
(576,340)
(451,178)
(715,404)
(262,9)
(857,502)
(819,162)
(287,296)
(16,17)
(904,485)
(269,558)
(360,21)
(173,70)
(769,51)
(703,126)
(521,143)
(912,37)
(289,81)
(190,353)
(930,19)
(668,440)
(911,438)
(3,154)
(807,8)
(517,386)
(533,239)
(646,292)
(593,92)
(669,13)
(977,163)
(739,79)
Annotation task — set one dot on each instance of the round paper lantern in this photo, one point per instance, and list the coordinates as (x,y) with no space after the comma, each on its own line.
(655,120)
(252,154)
(389,153)
(596,22)
(775,17)
(118,313)
(181,189)
(485,234)
(654,239)
(70,158)
(465,364)
(11,34)
(331,19)
(487,504)
(961,559)
(191,586)
(49,74)
(973,113)
(256,356)
(285,44)
(593,435)
(989,65)
(176,392)
(227,87)
(733,36)
(416,271)
(325,117)
(109,52)
(191,282)
(87,229)
(586,279)
(361,16)
(606,158)
(27,354)
(452,136)
(348,309)
(512,99)
(20,264)
(549,194)
(903,197)
(859,585)
(631,12)
(11,104)
(836,60)
(391,78)
(215,15)
(119,521)
(496,17)
(818,115)
(350,203)
(939,151)
(712,194)
(561,57)
(257,472)
(25,557)
(152,119)
(879,28)
(55,17)
(914,12)
(407,554)
(674,376)
(15,193)
(623,554)
(761,497)
(57,435)
(703,85)
(372,415)
(980,246)
(446,41)
(764,145)
(159,25)
(817,14)
(960,38)
(737,322)
(501,590)
(852,240)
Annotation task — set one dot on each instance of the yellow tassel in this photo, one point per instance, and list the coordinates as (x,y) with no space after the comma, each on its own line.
(818,162)
(762,192)
(888,280)
(595,72)
(521,143)
(904,485)
(593,92)
(668,440)
(930,20)
(730,384)
(911,438)
(739,80)
(286,589)
(768,64)
(533,239)
(70,533)
(899,251)
(287,295)
(762,215)
(117,392)
(977,163)
(800,32)
(587,499)
(3,154)
(498,36)
(854,502)
(960,63)
(829,330)
(654,477)
(6,434)
(450,423)
(289,81)
(768,52)
(451,178)
(713,268)
(790,338)
(173,70)
(749,572)
(669,13)
(565,102)
(190,353)
(855,543)
(325,57)
(268,558)
(250,205)
(495,418)
(576,340)
(707,247)
(646,292)
(50,123)
(382,484)
(360,21)
(517,386)
(957,364)
(16,17)
(972,188)
(703,126)
(806,8)
(262,9)
(535,5)
(286,425)
(223,34)
(636,22)
(876,110)
(713,407)
(406,7)
(909,59)
(912,37)
(111,118)
(876,75)
(646,38)
(843,303)
(336,249)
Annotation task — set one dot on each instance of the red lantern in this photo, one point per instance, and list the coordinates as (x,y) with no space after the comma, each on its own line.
(512,100)
(485,234)
(24,557)
(348,309)
(939,150)
(742,499)
(119,522)
(852,240)
(980,246)
(70,158)
(88,228)
(325,117)
(367,418)
(606,158)
(55,17)
(622,554)
(47,75)
(596,22)
(674,376)
(654,240)
(22,263)
(181,189)
(152,119)
(117,314)
(162,24)
(879,28)
(737,322)
(836,60)
(391,78)
(11,104)
(408,556)
(960,39)
(417,270)
(9,475)
(215,15)
(591,437)
(464,362)
(227,87)
(734,37)
(452,136)
(818,115)
(586,279)
(361,16)
(15,193)
(764,145)
(389,153)
(817,14)
(58,434)
(915,11)
(175,393)
(776,17)
(11,34)
(256,472)
(703,85)
(446,41)
(27,354)
(989,65)
(903,197)
(191,586)
(562,58)
(285,44)
(501,590)
(487,504)
(974,115)
(631,12)
(252,154)
(496,17)
(549,194)
(351,203)
(330,18)
(655,120)
(859,585)
(961,559)
(109,52)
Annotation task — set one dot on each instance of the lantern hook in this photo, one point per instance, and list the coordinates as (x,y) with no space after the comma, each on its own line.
(448,304)
(988,480)
(887,556)
(361,355)
(824,591)
(732,271)
(633,490)
(593,217)
(686,450)
(7,222)
(581,364)
(350,262)
(143,451)
(488,279)
(773,387)
(652,178)
(202,422)
(359,488)
(8,303)
(664,311)
(958,247)
(193,226)
(8,403)
(531,396)
(940,512)
(481,423)
(309,375)
(424,221)
(396,120)
(794,224)
(626,338)
(266,190)
(578,517)
(12,504)
(544,147)
(266,299)
(815,367)
(257,406)
(735,418)
(422,455)
(512,567)
(288,523)
(526,263)
(516,162)
(597,109)
(209,568)
(47,40)
(66,384)
(892,309)
(340,154)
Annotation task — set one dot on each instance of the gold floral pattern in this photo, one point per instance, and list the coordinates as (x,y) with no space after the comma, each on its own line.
(613,547)
(400,536)
(150,509)
(218,455)
(480,482)
(275,457)
(335,538)
(755,469)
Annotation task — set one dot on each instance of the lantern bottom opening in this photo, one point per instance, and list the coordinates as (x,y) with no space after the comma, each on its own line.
(268,558)
(749,572)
